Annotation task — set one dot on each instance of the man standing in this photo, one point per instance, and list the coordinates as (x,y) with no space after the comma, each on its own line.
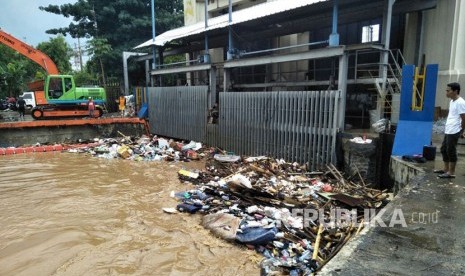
(91,107)
(455,126)
(21,108)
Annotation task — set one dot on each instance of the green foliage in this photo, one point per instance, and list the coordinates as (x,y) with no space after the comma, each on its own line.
(83,78)
(59,51)
(16,71)
(123,23)
(99,48)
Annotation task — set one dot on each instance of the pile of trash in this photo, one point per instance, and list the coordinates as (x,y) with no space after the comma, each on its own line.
(297,219)
(381,125)
(280,209)
(141,149)
(439,126)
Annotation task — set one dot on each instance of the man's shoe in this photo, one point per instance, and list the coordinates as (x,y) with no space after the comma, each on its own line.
(446,175)
(439,171)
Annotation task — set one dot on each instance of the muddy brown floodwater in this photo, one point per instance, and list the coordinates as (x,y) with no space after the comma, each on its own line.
(71,214)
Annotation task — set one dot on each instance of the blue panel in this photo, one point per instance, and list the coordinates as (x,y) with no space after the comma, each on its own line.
(406,112)
(414,129)
(143,111)
(430,92)
(411,136)
(406,92)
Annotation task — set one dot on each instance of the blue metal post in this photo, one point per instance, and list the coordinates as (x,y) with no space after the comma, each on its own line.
(334,36)
(206,56)
(230,46)
(154,64)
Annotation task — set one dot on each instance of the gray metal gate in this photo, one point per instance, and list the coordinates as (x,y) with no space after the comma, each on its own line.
(297,126)
(178,112)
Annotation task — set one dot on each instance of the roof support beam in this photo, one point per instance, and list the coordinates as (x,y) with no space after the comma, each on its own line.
(312,54)
(181,70)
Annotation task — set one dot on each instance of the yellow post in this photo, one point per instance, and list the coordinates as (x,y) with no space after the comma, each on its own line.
(418,94)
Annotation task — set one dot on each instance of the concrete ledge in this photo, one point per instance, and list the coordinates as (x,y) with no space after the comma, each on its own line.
(432,241)
(67,131)
(403,172)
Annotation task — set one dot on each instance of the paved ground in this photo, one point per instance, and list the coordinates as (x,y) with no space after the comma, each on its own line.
(433,243)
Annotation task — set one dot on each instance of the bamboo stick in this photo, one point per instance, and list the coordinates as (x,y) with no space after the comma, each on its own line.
(317,242)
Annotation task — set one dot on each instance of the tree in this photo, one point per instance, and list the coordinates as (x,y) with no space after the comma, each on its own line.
(83,78)
(16,72)
(99,48)
(123,23)
(59,51)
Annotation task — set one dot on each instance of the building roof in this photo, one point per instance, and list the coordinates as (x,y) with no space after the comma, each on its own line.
(241,16)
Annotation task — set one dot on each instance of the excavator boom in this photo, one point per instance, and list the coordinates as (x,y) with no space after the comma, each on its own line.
(33,54)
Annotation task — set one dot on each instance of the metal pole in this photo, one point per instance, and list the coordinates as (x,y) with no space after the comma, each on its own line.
(230,46)
(154,64)
(206,26)
(387,20)
(334,36)
(342,86)
(127,55)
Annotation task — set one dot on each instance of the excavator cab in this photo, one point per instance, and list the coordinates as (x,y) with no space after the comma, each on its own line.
(55,88)
(61,98)
(61,90)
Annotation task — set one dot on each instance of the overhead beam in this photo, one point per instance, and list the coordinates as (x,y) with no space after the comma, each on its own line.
(181,69)
(312,54)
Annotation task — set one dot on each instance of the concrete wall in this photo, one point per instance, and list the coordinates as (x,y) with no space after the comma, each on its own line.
(218,5)
(443,42)
(65,134)
(193,12)
(402,173)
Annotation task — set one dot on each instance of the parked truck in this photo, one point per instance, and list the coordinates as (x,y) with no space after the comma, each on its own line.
(57,96)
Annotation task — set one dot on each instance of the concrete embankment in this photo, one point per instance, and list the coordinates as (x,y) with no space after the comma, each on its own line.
(421,230)
(30,132)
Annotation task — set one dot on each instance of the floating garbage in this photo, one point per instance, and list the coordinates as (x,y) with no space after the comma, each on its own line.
(141,149)
(280,209)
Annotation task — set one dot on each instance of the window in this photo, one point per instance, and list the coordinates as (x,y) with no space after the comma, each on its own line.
(55,89)
(370,33)
(68,84)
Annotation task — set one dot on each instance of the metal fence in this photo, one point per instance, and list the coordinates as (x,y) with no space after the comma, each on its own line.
(178,112)
(297,126)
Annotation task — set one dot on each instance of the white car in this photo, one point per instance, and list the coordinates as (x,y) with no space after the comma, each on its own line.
(30,99)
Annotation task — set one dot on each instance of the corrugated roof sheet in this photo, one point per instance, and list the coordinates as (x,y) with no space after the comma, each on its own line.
(255,12)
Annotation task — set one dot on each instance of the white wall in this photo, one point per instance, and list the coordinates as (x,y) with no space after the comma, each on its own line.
(443,43)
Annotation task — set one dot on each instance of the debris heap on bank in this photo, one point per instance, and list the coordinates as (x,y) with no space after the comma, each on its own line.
(286,213)
(141,149)
(297,219)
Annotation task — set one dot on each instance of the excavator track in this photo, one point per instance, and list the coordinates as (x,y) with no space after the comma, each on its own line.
(58,112)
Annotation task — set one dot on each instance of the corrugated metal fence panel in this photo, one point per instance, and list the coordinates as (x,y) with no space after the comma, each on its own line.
(179,112)
(297,126)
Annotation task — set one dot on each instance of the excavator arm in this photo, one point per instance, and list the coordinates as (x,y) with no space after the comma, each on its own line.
(33,54)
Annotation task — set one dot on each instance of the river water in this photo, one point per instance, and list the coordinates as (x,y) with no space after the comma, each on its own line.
(71,214)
